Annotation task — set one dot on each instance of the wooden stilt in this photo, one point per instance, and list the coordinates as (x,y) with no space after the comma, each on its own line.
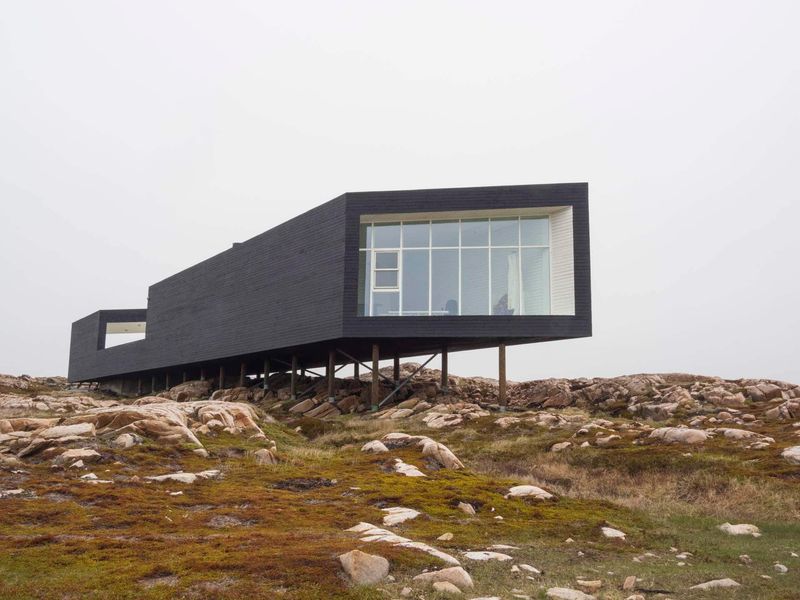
(396,370)
(376,382)
(202,374)
(242,373)
(221,377)
(502,376)
(356,372)
(153,384)
(331,375)
(139,386)
(445,377)
(267,369)
(293,385)
(184,377)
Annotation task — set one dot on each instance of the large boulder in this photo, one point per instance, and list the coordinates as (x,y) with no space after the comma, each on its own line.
(190,390)
(441,454)
(364,569)
(792,455)
(680,435)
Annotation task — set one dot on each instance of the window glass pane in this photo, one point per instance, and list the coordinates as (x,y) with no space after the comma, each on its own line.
(505,281)
(444,233)
(387,235)
(365,236)
(536,281)
(505,232)
(475,233)
(363,278)
(444,282)
(386,279)
(475,281)
(535,232)
(385,304)
(416,235)
(386,260)
(415,282)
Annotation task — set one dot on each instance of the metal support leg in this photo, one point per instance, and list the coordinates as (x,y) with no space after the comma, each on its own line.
(445,376)
(202,374)
(242,373)
(153,384)
(183,376)
(502,377)
(221,377)
(403,383)
(356,374)
(166,381)
(396,369)
(139,386)
(331,375)
(376,383)
(293,383)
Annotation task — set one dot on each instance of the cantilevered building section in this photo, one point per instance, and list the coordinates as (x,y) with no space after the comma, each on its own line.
(364,277)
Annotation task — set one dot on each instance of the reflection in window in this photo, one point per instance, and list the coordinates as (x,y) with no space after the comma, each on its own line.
(495,266)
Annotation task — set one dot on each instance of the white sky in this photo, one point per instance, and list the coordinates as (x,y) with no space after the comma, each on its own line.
(138,138)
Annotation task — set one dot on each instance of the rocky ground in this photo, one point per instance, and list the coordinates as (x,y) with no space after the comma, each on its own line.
(647,486)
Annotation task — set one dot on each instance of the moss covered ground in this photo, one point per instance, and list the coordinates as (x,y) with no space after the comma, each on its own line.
(275,531)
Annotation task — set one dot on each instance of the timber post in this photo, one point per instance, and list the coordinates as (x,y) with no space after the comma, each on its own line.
(293,381)
(502,376)
(376,382)
(445,375)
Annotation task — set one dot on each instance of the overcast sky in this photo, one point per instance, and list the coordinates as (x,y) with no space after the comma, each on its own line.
(138,138)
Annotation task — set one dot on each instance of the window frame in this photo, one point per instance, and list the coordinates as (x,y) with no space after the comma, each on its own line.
(370,247)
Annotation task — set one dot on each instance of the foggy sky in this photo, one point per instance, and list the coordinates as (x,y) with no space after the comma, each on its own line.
(138,138)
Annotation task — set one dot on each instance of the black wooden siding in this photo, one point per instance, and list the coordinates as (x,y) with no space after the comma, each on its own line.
(294,289)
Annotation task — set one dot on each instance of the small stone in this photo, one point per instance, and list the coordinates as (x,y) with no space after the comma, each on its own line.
(87,455)
(740,529)
(466,508)
(529,569)
(630,583)
(528,491)
(560,446)
(398,514)
(568,594)
(264,457)
(124,441)
(445,537)
(779,568)
(406,592)
(589,586)
(715,584)
(745,559)
(375,446)
(364,569)
(445,587)
(486,555)
(456,576)
(612,533)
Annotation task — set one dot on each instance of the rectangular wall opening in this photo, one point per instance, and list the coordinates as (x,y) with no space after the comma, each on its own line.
(124,333)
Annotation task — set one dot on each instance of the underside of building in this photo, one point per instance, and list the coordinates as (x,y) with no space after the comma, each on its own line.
(364,277)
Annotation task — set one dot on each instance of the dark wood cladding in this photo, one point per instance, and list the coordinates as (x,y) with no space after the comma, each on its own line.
(293,291)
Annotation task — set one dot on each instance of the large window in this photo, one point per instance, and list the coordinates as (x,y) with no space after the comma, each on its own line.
(492,266)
